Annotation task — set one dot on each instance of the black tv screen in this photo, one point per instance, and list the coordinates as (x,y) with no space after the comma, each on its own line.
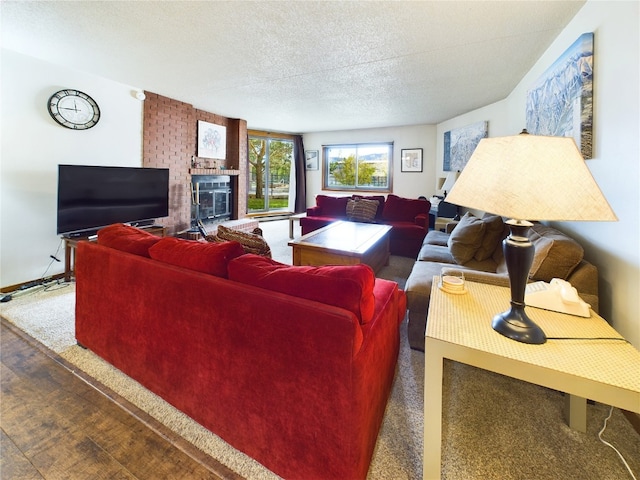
(90,197)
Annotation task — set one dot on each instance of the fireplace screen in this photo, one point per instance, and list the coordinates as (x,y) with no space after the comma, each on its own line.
(211,197)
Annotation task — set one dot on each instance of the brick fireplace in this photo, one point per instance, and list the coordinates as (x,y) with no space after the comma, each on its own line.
(170,141)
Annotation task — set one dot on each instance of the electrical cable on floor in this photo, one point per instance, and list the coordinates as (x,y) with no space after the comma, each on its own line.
(30,288)
(614,448)
(54,258)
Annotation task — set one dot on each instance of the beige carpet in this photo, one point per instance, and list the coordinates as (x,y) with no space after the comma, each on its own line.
(494,427)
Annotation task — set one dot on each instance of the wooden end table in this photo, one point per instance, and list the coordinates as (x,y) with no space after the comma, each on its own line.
(344,243)
(459,329)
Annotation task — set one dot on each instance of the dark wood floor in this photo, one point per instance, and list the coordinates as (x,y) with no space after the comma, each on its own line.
(54,424)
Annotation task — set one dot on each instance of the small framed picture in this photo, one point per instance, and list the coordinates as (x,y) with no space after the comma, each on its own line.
(311,159)
(411,160)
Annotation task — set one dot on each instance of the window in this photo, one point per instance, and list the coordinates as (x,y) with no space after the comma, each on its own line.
(362,166)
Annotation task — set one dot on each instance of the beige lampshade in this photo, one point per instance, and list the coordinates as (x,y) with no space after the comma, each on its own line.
(530,177)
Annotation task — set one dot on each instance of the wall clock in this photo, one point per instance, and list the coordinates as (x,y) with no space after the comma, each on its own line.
(73,109)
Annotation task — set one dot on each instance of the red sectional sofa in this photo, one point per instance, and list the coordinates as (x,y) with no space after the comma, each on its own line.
(408,218)
(291,365)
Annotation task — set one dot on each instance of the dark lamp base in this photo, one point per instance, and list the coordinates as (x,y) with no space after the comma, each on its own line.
(516,325)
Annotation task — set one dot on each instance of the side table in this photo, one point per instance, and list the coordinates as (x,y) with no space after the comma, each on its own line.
(292,219)
(459,329)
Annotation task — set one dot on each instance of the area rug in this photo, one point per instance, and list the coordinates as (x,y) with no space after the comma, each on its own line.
(494,427)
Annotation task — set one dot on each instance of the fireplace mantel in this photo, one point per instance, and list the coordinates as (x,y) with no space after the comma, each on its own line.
(213,171)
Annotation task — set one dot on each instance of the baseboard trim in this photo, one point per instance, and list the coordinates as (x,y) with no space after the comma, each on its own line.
(13,288)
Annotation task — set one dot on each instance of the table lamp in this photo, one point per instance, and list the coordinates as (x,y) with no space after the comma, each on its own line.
(528,177)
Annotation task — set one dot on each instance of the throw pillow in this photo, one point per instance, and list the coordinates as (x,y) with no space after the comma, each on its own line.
(332,206)
(211,258)
(127,239)
(556,255)
(378,198)
(345,286)
(466,238)
(398,209)
(361,210)
(494,233)
(251,242)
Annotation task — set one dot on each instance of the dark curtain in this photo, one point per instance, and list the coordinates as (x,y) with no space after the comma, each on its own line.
(301,176)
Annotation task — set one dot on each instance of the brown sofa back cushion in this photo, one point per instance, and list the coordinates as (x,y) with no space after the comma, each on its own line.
(466,238)
(556,256)
(495,231)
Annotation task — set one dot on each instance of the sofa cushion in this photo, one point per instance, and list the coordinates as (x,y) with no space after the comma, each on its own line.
(378,198)
(251,242)
(211,258)
(435,253)
(404,209)
(466,238)
(345,286)
(127,239)
(556,254)
(494,233)
(436,237)
(332,206)
(361,209)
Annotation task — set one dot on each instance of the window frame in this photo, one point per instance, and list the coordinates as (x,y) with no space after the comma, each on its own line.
(355,188)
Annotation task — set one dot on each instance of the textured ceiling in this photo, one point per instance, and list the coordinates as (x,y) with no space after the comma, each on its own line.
(299,66)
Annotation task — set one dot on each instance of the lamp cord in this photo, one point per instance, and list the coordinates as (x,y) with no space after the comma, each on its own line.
(614,448)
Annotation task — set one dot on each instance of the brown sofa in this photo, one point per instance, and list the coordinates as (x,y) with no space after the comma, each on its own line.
(475,247)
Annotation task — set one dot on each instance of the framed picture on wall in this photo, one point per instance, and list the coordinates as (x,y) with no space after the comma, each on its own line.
(411,160)
(312,159)
(212,140)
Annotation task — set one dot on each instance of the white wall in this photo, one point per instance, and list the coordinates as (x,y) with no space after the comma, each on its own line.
(613,247)
(32,147)
(405,184)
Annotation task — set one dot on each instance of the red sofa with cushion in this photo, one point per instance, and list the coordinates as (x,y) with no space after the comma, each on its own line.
(291,365)
(408,218)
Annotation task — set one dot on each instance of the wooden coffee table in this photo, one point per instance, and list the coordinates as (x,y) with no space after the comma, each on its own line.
(344,243)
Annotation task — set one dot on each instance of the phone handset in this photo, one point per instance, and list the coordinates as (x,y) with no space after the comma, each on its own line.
(558,296)
(568,293)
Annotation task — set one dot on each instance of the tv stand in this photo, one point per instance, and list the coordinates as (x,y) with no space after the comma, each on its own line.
(143,224)
(71,242)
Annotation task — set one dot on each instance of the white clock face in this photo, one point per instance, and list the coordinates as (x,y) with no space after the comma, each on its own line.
(74,109)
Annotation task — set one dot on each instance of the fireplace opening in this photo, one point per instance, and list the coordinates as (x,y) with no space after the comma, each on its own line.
(211,199)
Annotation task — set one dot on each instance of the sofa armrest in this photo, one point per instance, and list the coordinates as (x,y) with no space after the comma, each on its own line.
(315,211)
(422,220)
(498,279)
(451,225)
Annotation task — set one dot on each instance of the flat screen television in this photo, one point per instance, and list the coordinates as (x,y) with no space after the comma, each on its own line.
(91,197)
